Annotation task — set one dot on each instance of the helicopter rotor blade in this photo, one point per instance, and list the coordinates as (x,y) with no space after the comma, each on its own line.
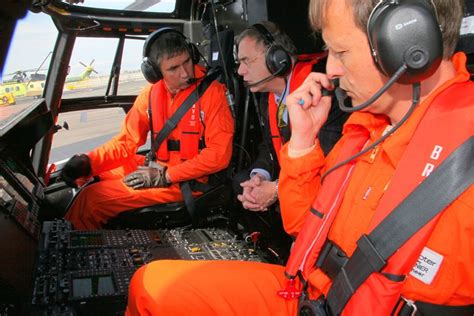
(83,64)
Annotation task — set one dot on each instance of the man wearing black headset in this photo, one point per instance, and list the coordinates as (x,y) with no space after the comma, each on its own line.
(199,145)
(391,226)
(268,63)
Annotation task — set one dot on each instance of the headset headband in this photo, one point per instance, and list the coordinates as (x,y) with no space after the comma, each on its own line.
(155,35)
(264,32)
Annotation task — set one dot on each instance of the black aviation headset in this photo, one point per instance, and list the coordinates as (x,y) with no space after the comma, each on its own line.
(405,32)
(151,71)
(406,43)
(407,46)
(277,59)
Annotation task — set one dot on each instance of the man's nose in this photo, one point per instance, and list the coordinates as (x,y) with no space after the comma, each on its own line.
(183,72)
(334,67)
(242,69)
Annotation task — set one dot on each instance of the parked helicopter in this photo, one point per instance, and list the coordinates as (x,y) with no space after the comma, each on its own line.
(23,85)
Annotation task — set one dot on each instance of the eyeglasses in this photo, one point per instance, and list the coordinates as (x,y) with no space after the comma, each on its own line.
(247,61)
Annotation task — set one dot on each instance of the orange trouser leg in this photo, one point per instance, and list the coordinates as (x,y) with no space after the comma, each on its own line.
(100,201)
(179,287)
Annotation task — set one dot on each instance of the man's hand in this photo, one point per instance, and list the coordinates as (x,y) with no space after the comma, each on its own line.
(153,176)
(76,167)
(248,200)
(265,194)
(308,110)
(258,194)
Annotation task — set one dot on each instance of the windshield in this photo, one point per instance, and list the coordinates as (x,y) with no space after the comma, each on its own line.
(89,68)
(163,6)
(27,62)
(32,45)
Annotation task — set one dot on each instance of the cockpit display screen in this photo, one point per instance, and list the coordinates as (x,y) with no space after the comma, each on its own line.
(93,285)
(85,239)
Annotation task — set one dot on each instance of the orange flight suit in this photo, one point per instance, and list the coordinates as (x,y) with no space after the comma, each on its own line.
(222,288)
(103,200)
(452,237)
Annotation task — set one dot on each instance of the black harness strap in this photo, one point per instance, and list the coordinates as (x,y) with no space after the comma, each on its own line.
(188,199)
(408,308)
(170,125)
(175,145)
(432,196)
(173,121)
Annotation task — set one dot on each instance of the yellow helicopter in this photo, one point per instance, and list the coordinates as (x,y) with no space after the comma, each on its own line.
(21,85)
(81,81)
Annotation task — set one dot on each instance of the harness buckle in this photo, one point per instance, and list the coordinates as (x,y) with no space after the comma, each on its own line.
(331,259)
(411,304)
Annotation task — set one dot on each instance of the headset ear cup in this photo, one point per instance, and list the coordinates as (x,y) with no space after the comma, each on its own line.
(194,53)
(278,61)
(149,72)
(406,33)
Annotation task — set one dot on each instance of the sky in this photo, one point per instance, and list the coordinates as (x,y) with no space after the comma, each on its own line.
(35,36)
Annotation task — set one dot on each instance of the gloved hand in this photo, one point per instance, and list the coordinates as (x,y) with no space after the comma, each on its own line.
(78,166)
(152,176)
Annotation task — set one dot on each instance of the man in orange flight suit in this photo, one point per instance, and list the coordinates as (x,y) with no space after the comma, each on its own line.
(435,274)
(125,183)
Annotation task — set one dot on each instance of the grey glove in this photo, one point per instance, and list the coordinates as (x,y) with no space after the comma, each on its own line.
(153,176)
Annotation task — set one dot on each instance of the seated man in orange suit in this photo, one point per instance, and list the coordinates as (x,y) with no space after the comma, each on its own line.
(201,143)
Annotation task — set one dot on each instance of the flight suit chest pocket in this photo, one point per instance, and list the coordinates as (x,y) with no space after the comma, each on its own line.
(371,187)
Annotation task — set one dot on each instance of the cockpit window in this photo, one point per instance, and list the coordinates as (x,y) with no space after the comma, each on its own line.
(91,65)
(161,6)
(28,59)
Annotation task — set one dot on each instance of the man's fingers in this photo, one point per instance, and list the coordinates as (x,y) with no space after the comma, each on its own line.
(137,186)
(257,180)
(250,206)
(129,180)
(246,197)
(310,93)
(259,209)
(247,193)
(129,177)
(249,197)
(133,180)
(247,184)
(134,183)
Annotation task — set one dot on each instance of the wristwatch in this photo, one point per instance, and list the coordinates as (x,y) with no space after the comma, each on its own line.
(275,197)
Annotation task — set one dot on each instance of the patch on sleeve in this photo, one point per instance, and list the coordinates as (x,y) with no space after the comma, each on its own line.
(427,266)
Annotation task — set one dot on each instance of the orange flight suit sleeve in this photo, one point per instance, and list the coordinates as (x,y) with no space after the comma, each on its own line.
(124,146)
(218,134)
(299,182)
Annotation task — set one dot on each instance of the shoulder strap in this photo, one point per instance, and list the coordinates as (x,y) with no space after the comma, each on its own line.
(173,121)
(446,183)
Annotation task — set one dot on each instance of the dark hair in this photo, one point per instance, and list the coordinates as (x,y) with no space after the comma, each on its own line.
(280,37)
(449,13)
(168,44)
